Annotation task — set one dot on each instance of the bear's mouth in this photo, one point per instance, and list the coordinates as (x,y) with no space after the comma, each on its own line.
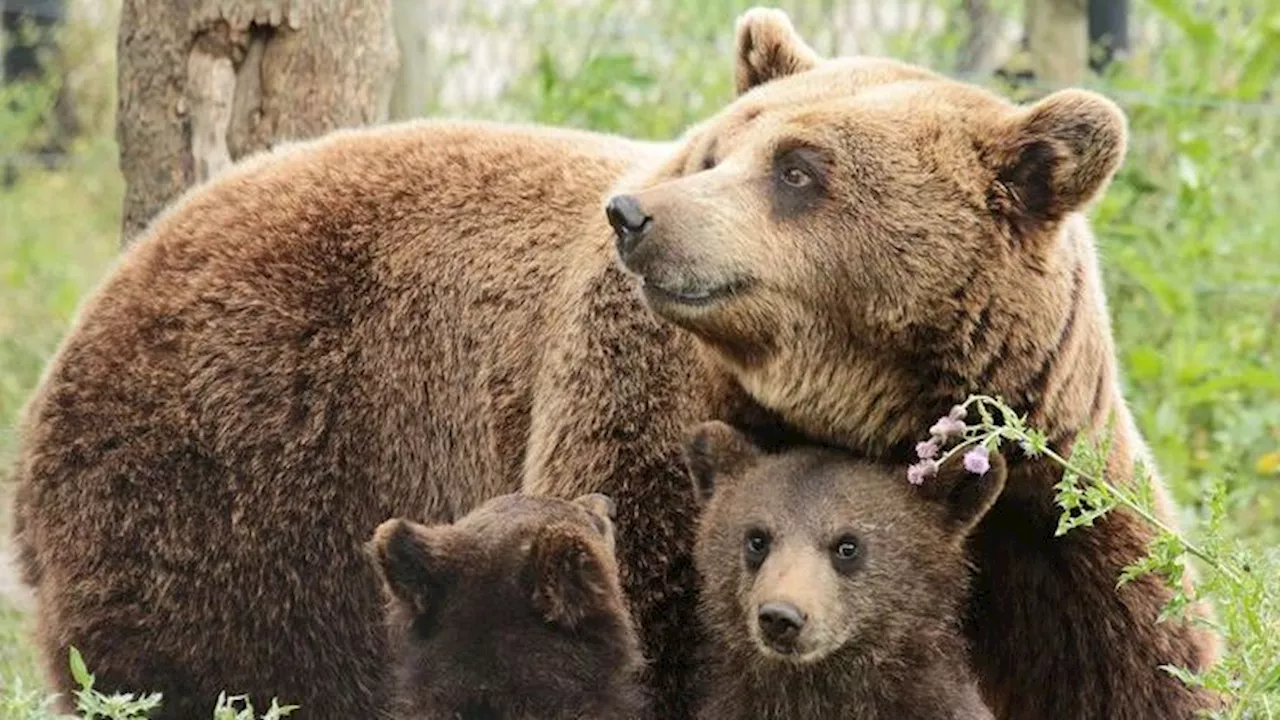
(693,294)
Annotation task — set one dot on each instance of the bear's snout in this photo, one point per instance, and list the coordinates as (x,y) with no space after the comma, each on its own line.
(780,625)
(630,222)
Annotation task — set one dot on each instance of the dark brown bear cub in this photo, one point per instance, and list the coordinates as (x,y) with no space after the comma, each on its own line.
(512,613)
(833,588)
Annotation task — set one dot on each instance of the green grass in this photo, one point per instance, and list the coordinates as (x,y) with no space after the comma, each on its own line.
(58,238)
(1189,232)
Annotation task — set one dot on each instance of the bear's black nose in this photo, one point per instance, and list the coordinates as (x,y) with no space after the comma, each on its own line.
(780,624)
(629,221)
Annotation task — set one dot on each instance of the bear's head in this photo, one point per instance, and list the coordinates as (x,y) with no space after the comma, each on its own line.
(809,554)
(860,227)
(515,608)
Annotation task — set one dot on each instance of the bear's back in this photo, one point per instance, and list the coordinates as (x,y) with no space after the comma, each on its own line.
(267,360)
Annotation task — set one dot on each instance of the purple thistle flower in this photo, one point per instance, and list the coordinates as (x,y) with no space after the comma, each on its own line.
(977,460)
(921,471)
(947,428)
(927,450)
(958,412)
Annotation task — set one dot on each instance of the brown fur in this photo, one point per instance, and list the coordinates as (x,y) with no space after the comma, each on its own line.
(882,627)
(513,613)
(406,321)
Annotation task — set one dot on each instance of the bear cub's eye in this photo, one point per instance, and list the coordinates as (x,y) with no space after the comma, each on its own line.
(757,547)
(847,551)
(795,177)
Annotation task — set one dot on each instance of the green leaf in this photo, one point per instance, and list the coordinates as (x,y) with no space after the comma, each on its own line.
(79,671)
(1186,676)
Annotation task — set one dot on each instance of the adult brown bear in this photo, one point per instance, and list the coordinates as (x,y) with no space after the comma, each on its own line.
(408,320)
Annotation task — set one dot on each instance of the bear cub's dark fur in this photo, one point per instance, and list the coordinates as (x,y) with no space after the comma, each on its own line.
(512,613)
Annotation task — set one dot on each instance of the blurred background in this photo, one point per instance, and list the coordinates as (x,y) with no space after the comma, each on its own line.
(108,111)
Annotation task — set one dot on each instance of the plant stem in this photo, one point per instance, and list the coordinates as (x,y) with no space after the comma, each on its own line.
(1018,434)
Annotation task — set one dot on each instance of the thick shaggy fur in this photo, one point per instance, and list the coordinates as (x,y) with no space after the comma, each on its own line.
(408,320)
(513,612)
(875,568)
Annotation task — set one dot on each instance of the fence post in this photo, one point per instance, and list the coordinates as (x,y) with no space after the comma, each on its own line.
(1108,31)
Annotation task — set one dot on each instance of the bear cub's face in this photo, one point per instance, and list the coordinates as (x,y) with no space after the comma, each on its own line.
(809,553)
(515,609)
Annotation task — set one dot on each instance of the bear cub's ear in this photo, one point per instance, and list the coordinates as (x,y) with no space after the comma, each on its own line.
(416,563)
(769,48)
(569,576)
(714,449)
(1054,157)
(966,496)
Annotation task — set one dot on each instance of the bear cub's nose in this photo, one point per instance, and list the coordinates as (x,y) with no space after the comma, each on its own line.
(780,624)
(629,221)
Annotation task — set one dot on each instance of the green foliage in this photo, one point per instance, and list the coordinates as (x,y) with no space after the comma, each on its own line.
(92,705)
(1240,582)
(19,703)
(1186,236)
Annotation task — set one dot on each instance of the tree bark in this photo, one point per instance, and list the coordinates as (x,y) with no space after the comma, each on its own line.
(980,53)
(1058,40)
(203,83)
(414,86)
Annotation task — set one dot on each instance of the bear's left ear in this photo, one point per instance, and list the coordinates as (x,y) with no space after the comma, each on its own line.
(1054,157)
(417,563)
(769,48)
(568,577)
(964,495)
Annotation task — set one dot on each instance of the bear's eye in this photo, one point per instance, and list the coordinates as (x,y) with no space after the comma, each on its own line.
(757,547)
(847,551)
(708,161)
(795,177)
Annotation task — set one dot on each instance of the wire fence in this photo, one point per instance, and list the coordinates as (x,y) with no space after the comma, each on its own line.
(483,57)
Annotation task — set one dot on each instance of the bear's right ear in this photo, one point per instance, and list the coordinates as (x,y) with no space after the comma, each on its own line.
(713,449)
(1055,156)
(568,577)
(769,48)
(416,562)
(966,496)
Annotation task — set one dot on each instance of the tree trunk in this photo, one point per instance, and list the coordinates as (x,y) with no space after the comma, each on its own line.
(414,87)
(203,83)
(1058,40)
(982,46)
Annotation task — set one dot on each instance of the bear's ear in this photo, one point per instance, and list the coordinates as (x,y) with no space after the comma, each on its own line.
(769,48)
(1054,157)
(966,496)
(714,449)
(416,563)
(567,576)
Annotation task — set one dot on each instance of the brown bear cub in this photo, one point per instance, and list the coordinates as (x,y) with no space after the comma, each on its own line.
(512,613)
(833,588)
